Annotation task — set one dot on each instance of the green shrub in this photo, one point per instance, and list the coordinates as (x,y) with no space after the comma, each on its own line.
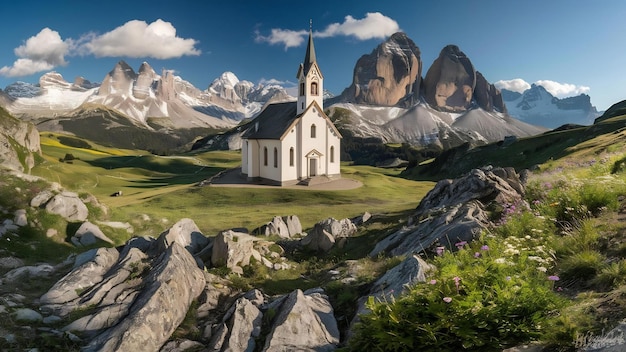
(484,297)
(611,275)
(583,265)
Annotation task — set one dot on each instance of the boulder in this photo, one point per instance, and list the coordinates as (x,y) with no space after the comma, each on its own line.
(293,225)
(326,232)
(88,234)
(455,210)
(161,305)
(41,198)
(390,75)
(20,218)
(277,227)
(33,271)
(68,205)
(304,322)
(613,341)
(186,233)
(395,282)
(93,265)
(240,328)
(27,315)
(450,81)
(234,250)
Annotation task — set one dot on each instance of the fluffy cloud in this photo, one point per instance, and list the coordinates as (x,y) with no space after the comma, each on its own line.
(47,50)
(374,25)
(515,85)
(140,39)
(41,52)
(286,37)
(562,90)
(557,89)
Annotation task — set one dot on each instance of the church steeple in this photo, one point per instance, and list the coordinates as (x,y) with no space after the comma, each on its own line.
(310,78)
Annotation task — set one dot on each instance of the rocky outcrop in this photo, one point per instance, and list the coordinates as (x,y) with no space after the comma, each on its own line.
(137,296)
(455,210)
(327,232)
(389,75)
(304,322)
(487,95)
(88,234)
(450,81)
(283,227)
(65,204)
(19,143)
(235,250)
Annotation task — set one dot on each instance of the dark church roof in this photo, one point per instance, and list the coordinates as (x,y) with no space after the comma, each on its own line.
(273,121)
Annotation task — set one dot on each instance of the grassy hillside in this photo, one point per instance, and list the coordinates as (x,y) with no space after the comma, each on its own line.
(581,142)
(163,188)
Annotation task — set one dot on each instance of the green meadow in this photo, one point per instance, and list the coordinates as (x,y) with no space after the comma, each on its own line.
(160,190)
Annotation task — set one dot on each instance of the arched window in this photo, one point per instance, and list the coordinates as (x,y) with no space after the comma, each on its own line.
(313,131)
(291,158)
(275,157)
(332,153)
(301,93)
(314,88)
(265,156)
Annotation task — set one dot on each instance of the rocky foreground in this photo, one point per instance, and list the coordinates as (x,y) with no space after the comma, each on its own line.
(135,296)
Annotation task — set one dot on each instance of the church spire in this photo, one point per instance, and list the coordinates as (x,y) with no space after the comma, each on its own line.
(309,57)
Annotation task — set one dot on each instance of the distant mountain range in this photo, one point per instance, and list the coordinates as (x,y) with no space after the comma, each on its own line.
(538,107)
(388,100)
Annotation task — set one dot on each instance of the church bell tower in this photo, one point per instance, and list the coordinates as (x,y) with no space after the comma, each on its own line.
(310,79)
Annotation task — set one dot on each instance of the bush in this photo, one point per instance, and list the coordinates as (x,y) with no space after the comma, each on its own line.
(583,265)
(484,297)
(611,275)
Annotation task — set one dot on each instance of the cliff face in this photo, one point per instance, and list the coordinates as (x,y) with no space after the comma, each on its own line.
(389,75)
(450,81)
(19,141)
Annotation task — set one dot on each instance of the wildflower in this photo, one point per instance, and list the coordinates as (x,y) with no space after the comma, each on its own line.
(484,248)
(543,269)
(500,261)
(460,245)
(477,255)
(508,278)
(456,282)
(432,282)
(447,299)
(553,278)
(559,289)
(440,250)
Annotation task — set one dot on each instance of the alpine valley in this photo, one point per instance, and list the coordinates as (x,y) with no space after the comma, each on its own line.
(388,102)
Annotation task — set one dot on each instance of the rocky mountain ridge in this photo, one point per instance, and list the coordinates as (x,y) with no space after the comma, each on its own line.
(538,107)
(144,95)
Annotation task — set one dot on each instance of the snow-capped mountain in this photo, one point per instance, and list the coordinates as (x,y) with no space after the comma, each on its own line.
(538,107)
(145,96)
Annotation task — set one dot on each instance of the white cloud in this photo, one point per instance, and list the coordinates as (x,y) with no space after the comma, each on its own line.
(286,37)
(562,90)
(515,85)
(41,52)
(557,89)
(374,25)
(139,39)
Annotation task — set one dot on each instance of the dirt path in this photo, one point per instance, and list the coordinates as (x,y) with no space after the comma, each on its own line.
(233,178)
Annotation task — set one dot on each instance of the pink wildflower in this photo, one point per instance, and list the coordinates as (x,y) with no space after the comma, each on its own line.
(447,299)
(432,282)
(477,254)
(484,248)
(553,278)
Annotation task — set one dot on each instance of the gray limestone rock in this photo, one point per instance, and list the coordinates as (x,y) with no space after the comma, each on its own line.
(303,323)
(186,233)
(27,315)
(454,210)
(69,206)
(88,234)
(20,218)
(240,327)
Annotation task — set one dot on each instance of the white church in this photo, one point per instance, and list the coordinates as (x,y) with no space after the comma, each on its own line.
(293,142)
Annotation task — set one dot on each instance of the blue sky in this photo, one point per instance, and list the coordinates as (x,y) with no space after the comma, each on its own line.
(572,47)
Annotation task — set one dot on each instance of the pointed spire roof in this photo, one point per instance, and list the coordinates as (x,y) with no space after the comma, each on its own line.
(309,57)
